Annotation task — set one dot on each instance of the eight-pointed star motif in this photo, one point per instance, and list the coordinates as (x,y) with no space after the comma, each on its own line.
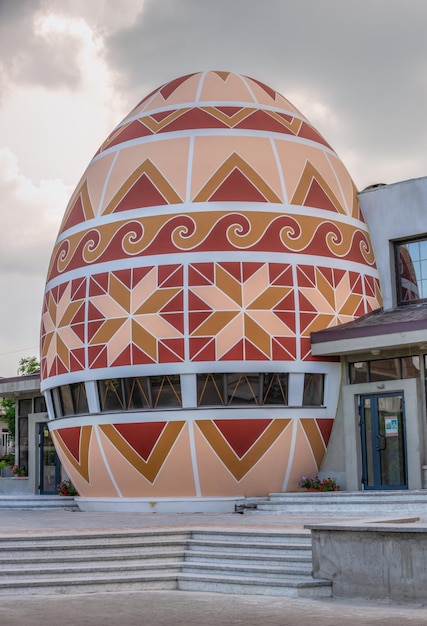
(130,311)
(242,302)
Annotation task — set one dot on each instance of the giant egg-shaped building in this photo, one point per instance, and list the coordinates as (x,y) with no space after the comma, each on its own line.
(211,233)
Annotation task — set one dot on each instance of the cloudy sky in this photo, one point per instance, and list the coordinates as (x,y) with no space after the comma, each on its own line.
(71,69)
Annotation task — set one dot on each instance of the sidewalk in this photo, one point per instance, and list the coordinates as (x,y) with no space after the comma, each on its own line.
(176,608)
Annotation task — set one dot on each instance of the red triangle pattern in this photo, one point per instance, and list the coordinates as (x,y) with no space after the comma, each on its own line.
(234,269)
(131,131)
(77,359)
(98,284)
(260,120)
(76,214)
(170,350)
(124,276)
(196,318)
(306,276)
(305,305)
(142,194)
(139,357)
(196,304)
(176,320)
(201,274)
(195,118)
(138,273)
(249,269)
(237,188)
(170,275)
(280,275)
(97,357)
(325,427)
(202,349)
(242,434)
(283,348)
(252,353)
(78,289)
(229,111)
(71,438)
(287,304)
(174,305)
(235,353)
(288,318)
(142,437)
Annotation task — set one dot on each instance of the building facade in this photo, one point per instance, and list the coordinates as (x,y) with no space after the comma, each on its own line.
(379,437)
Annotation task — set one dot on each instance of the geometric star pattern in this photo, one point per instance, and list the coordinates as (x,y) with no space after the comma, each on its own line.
(239,310)
(135,316)
(327,297)
(62,328)
(242,311)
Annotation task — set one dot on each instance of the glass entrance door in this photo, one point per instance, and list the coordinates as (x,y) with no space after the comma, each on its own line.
(382,427)
(49,467)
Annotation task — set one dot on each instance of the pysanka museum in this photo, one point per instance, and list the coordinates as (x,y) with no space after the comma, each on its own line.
(224,313)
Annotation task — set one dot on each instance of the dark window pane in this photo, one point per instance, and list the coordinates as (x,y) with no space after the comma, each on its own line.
(23,441)
(410,367)
(137,392)
(78,392)
(313,390)
(39,405)
(411,264)
(358,372)
(242,388)
(166,390)
(24,407)
(210,389)
(110,394)
(383,369)
(67,407)
(275,389)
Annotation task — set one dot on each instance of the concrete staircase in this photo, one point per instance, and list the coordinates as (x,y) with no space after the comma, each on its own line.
(378,503)
(248,562)
(22,502)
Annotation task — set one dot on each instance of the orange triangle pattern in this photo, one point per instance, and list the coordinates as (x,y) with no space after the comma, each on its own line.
(78,211)
(74,443)
(313,190)
(153,183)
(315,438)
(237,465)
(150,467)
(255,188)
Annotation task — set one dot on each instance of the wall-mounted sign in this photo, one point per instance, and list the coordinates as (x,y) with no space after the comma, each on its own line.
(391,427)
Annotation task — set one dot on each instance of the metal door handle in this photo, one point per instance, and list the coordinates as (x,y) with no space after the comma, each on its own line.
(381,443)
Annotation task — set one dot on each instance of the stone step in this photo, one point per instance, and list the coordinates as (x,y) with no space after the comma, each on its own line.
(249,547)
(342,503)
(243,536)
(220,560)
(265,570)
(24,502)
(116,581)
(288,560)
(291,587)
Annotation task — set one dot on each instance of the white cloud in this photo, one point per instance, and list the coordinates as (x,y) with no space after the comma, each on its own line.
(30,218)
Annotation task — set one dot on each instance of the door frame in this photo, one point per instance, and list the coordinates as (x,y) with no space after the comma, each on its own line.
(374,452)
(42,491)
(416,434)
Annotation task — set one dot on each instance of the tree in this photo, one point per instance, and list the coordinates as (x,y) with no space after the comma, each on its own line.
(27,365)
(8,409)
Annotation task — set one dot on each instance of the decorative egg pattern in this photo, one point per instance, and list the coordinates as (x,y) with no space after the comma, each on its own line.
(212,232)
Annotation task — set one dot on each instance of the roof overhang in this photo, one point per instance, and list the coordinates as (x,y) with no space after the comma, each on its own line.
(405,327)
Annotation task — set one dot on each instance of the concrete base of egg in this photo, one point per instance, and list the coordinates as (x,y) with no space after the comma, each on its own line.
(211,233)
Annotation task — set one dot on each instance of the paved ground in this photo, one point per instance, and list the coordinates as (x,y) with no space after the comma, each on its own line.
(176,608)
